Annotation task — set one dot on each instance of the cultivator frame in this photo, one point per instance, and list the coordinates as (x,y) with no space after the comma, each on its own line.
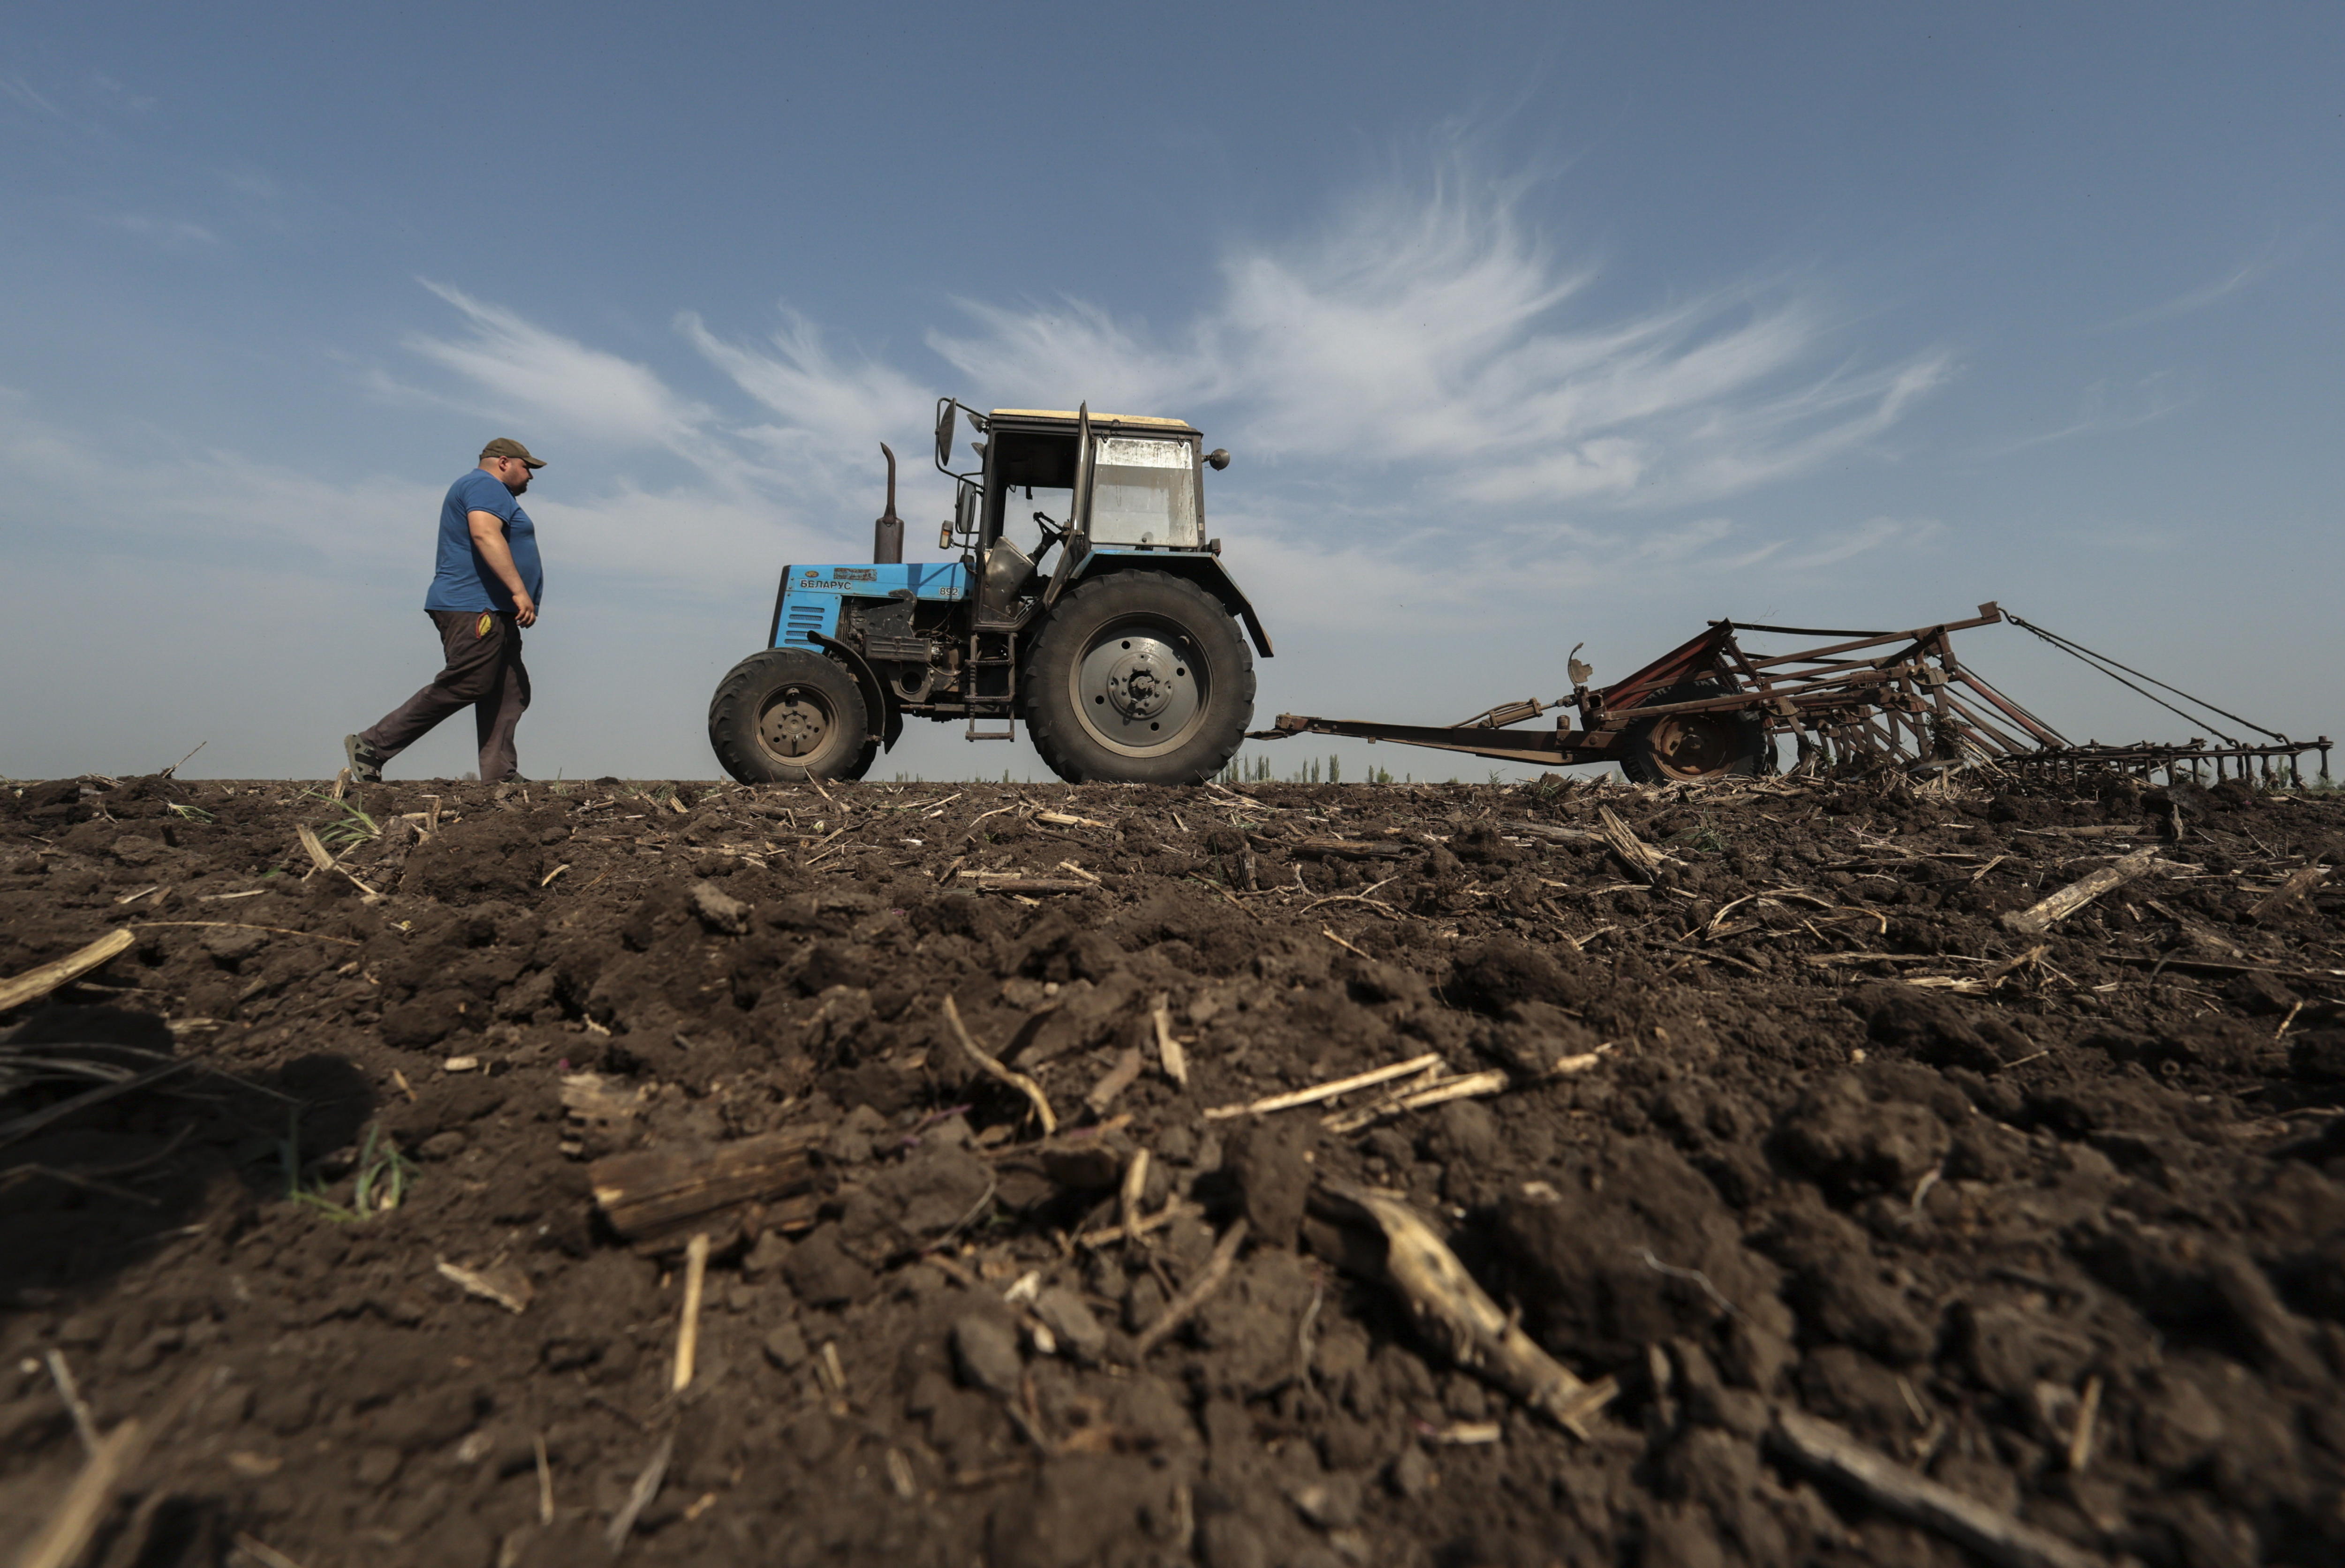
(1872,699)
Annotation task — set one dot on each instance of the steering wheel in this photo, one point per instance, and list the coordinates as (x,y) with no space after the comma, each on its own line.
(1051,531)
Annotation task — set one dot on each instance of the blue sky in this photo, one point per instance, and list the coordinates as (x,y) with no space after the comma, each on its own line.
(1528,325)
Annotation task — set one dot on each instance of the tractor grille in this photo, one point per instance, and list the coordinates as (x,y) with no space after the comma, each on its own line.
(798,619)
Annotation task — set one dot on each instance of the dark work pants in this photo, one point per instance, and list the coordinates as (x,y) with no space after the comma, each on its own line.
(483,672)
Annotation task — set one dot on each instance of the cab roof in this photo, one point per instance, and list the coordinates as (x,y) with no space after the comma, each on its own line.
(1070,415)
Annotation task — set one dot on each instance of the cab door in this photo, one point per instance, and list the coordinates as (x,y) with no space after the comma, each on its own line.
(1078,511)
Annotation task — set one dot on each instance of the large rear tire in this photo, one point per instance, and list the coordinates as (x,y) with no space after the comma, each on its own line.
(785,716)
(1138,677)
(1677,747)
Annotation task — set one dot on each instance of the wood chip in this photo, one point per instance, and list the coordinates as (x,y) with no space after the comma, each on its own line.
(1467,1087)
(1341,849)
(260,1551)
(639,1496)
(313,846)
(1135,1188)
(1467,1433)
(36,983)
(1318,1092)
(1823,1449)
(654,1196)
(687,1330)
(1638,857)
(1459,1316)
(1550,831)
(1182,1308)
(505,1284)
(2041,915)
(241,926)
(2299,886)
(993,1068)
(70,1392)
(1173,1209)
(1117,1079)
(2080,1441)
(1168,1054)
(87,1501)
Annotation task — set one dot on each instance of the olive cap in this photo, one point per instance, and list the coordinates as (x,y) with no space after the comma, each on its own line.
(506,447)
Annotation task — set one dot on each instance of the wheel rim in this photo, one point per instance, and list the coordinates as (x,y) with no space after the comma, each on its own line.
(794,723)
(1141,687)
(1693,745)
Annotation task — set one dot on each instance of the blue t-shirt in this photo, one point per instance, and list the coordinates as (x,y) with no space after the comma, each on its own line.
(462,580)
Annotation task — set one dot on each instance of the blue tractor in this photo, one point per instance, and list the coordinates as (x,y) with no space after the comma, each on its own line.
(1121,653)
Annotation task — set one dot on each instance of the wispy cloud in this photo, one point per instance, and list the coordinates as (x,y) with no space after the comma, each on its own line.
(1424,341)
(1037,356)
(21,93)
(228,509)
(171,233)
(1432,333)
(211,506)
(2245,275)
(250,183)
(2106,408)
(826,414)
(516,367)
(119,96)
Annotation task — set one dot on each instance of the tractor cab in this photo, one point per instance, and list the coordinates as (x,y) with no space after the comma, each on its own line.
(1078,483)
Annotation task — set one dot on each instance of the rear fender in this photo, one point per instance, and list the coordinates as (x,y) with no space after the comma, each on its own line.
(1205,570)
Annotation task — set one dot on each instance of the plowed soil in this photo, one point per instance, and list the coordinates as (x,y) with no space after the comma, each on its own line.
(2057,1221)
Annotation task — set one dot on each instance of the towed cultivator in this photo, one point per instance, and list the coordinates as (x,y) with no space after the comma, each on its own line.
(1710,708)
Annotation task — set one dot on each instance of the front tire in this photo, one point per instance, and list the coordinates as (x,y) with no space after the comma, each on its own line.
(785,716)
(1138,677)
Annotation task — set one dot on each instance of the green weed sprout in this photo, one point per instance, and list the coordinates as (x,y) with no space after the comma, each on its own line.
(384,1176)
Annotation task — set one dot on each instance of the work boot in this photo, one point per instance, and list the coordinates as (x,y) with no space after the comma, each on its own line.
(365,766)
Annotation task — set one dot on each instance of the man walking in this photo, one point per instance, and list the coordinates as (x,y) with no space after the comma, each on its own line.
(483,592)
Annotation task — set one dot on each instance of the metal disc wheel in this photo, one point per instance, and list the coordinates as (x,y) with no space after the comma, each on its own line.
(795,723)
(1138,677)
(1676,747)
(787,714)
(1141,687)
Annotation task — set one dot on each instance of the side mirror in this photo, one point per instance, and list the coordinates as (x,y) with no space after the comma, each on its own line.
(946,416)
(1218,459)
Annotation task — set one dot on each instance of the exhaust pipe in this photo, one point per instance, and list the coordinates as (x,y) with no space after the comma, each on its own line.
(888,531)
